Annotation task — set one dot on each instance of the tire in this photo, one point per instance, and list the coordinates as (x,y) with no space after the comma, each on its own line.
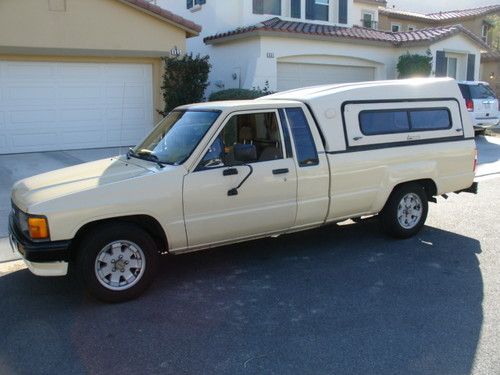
(402,221)
(117,262)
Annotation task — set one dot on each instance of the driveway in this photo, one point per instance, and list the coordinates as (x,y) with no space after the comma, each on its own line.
(342,299)
(15,167)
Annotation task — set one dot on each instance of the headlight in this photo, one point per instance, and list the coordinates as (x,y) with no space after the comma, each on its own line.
(35,227)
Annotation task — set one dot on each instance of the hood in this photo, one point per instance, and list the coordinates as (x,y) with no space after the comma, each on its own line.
(61,182)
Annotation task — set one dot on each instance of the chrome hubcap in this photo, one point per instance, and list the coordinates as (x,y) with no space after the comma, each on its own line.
(120,265)
(410,211)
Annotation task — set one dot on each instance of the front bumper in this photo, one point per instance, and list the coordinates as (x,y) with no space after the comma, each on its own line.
(37,252)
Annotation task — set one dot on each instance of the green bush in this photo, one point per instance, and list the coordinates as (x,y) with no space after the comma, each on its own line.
(240,94)
(414,65)
(235,94)
(184,81)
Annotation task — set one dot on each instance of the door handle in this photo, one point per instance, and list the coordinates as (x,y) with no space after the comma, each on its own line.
(230,172)
(280,171)
(458,130)
(357,138)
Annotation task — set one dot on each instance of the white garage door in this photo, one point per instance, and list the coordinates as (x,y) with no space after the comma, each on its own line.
(295,75)
(59,106)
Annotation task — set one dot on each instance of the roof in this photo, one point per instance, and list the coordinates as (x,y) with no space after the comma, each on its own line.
(440,17)
(190,27)
(277,26)
(490,56)
(392,88)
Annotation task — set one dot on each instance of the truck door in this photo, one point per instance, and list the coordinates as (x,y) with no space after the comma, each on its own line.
(246,183)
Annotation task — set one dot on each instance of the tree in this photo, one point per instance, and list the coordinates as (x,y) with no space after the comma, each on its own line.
(184,81)
(414,65)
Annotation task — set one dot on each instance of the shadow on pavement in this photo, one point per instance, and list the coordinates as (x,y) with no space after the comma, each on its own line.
(336,300)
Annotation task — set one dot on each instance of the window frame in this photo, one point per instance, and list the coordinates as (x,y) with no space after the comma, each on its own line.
(408,114)
(311,136)
(372,19)
(263,10)
(198,168)
(399,26)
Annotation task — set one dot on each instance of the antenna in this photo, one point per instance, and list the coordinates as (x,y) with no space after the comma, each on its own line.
(122,116)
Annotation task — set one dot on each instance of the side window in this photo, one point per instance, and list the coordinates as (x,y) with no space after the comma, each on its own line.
(305,148)
(403,121)
(383,122)
(259,131)
(431,119)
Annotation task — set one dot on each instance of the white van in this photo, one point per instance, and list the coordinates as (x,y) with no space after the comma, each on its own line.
(217,173)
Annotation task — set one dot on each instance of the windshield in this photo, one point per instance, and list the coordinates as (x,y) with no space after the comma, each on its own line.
(174,139)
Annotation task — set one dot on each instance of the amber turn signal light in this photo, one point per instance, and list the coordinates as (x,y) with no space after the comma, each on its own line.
(38,228)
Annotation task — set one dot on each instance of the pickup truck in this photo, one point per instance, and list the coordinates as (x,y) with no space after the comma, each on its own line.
(216,173)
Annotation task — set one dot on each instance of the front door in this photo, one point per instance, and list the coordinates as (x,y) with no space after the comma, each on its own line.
(266,201)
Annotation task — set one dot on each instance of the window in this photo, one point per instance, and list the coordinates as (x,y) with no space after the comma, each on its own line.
(430,119)
(384,122)
(411,28)
(174,139)
(368,21)
(258,129)
(395,27)
(481,91)
(403,121)
(302,137)
(484,32)
(295,8)
(267,7)
(191,3)
(452,67)
(317,10)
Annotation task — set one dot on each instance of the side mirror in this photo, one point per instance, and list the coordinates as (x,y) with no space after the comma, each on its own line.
(245,153)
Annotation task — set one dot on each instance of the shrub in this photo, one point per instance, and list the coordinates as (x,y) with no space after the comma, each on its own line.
(414,65)
(184,81)
(240,94)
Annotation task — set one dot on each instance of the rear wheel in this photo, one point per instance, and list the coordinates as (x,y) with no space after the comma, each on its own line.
(405,212)
(118,262)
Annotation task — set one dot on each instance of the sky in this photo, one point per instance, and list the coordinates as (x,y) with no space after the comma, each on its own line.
(430,6)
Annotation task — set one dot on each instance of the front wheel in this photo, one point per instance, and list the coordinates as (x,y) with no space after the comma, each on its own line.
(405,212)
(118,262)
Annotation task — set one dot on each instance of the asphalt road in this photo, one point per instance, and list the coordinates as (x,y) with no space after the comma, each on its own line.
(343,299)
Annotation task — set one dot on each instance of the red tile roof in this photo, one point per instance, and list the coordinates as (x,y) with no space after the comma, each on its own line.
(166,15)
(400,39)
(440,17)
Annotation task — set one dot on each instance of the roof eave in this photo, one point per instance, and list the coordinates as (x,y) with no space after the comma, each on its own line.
(285,34)
(190,31)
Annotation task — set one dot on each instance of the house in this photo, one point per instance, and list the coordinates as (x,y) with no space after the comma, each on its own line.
(490,69)
(287,44)
(82,73)
(476,20)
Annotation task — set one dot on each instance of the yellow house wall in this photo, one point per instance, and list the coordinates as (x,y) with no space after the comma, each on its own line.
(101,26)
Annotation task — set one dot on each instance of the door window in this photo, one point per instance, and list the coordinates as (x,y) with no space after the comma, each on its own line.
(259,131)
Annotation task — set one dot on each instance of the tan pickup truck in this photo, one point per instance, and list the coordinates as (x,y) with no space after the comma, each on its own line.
(217,173)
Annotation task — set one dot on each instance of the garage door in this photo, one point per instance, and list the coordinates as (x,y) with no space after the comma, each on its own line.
(56,106)
(295,75)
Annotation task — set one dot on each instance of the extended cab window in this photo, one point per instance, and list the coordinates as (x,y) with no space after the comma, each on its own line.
(302,137)
(260,130)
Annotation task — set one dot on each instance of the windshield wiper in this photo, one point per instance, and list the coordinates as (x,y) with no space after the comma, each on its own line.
(145,155)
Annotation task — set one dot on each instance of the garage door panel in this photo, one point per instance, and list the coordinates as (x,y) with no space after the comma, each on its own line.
(296,75)
(59,106)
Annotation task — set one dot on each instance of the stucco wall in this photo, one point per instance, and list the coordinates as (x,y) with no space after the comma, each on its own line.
(491,67)
(99,27)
